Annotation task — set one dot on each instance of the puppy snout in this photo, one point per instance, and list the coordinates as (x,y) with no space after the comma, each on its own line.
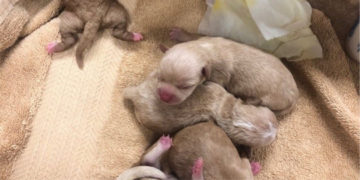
(165,95)
(270,134)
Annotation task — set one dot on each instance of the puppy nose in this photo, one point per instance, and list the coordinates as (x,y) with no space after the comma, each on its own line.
(165,95)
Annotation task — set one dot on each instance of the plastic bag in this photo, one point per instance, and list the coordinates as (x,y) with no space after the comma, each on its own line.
(277,26)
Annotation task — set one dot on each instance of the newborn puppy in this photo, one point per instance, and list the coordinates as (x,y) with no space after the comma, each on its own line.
(201,151)
(257,77)
(244,124)
(219,159)
(89,16)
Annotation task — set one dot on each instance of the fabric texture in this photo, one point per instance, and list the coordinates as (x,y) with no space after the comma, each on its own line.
(342,13)
(5,7)
(21,17)
(23,69)
(82,129)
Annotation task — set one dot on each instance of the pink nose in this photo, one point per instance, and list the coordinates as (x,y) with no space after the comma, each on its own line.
(165,95)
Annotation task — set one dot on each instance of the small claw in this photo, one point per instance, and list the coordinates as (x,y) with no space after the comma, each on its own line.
(137,37)
(51,47)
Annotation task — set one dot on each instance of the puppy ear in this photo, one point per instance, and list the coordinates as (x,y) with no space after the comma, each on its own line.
(163,48)
(206,71)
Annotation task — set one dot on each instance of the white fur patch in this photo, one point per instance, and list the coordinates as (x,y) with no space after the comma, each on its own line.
(244,124)
(271,133)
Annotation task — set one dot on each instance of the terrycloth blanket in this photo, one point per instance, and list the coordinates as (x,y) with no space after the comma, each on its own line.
(23,69)
(82,128)
(19,18)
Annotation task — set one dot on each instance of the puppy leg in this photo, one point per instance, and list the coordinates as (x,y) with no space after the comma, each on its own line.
(154,154)
(197,170)
(279,105)
(70,25)
(117,18)
(253,101)
(67,40)
(180,35)
(121,32)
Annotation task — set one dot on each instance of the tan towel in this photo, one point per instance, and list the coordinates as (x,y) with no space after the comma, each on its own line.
(5,7)
(21,17)
(23,69)
(22,74)
(83,129)
(343,14)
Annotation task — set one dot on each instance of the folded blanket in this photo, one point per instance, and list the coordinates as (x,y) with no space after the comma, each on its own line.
(23,69)
(83,129)
(22,74)
(343,14)
(21,17)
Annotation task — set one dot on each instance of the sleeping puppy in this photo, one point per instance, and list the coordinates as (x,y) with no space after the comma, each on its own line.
(257,77)
(89,16)
(201,151)
(244,124)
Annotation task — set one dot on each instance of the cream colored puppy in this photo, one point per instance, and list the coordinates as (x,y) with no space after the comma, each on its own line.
(257,77)
(244,124)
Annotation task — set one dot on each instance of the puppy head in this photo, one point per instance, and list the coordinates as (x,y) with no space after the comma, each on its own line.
(181,71)
(266,126)
(258,125)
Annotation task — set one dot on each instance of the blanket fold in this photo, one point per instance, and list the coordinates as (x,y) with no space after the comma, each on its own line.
(21,17)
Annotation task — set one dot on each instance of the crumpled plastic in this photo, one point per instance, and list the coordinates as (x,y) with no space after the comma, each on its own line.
(280,27)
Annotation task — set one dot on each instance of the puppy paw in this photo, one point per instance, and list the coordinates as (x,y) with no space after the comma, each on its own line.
(50,48)
(137,37)
(197,169)
(255,167)
(165,142)
(176,34)
(163,48)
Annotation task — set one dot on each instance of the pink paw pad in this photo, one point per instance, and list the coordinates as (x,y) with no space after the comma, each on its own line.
(255,167)
(137,37)
(51,47)
(165,142)
(197,168)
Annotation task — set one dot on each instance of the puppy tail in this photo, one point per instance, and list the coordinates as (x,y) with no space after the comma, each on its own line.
(86,40)
(141,172)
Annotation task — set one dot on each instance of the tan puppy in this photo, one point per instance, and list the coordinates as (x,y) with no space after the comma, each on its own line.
(89,16)
(201,151)
(244,124)
(246,72)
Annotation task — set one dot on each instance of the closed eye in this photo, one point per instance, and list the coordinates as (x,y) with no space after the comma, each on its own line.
(185,87)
